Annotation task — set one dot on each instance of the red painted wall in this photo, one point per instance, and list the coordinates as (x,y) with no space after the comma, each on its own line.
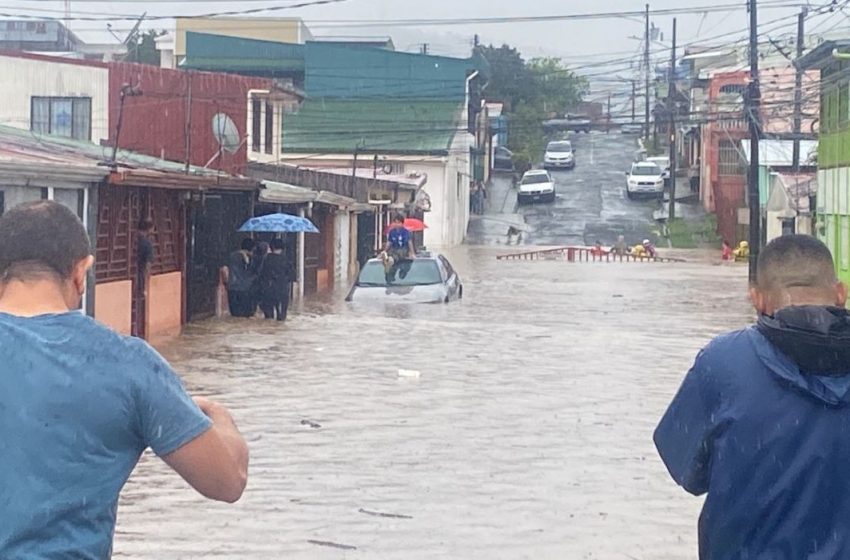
(728,190)
(154,123)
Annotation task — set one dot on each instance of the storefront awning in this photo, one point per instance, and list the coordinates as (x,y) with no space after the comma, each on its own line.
(284,193)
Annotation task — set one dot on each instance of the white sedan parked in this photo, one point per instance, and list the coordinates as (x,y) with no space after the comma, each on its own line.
(536,185)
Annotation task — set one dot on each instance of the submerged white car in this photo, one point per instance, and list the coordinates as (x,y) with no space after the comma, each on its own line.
(645,179)
(536,185)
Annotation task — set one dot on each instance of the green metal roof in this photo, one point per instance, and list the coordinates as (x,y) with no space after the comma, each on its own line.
(399,126)
(205,51)
(339,71)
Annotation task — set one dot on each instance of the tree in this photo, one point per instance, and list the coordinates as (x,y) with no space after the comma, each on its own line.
(553,87)
(141,47)
(509,75)
(530,90)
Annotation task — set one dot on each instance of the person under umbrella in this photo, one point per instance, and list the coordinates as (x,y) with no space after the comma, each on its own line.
(275,279)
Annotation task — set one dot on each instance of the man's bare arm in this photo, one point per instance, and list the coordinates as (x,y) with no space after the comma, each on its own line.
(216,462)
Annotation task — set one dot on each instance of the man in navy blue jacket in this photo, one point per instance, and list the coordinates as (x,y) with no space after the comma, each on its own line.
(761,423)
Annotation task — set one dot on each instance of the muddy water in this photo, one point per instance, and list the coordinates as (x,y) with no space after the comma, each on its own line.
(527,434)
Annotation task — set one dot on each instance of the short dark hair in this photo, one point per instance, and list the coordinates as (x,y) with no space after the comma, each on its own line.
(795,261)
(248,244)
(145,225)
(41,238)
(398,216)
(277,244)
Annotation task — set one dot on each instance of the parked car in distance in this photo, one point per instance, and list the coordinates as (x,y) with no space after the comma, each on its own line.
(503,159)
(559,155)
(645,178)
(429,278)
(574,123)
(536,185)
(631,128)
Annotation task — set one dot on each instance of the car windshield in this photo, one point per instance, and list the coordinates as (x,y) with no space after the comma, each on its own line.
(535,179)
(559,147)
(419,272)
(646,170)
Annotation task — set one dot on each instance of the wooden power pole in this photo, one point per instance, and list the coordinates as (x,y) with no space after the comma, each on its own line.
(646,76)
(671,111)
(798,90)
(753,108)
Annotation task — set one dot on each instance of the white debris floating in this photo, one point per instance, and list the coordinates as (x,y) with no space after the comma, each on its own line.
(409,373)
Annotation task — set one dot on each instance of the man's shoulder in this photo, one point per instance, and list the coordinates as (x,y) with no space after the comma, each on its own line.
(726,354)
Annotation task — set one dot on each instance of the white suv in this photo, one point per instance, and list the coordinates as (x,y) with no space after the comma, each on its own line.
(645,178)
(536,185)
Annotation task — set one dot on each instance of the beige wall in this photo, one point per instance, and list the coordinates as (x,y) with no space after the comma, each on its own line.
(165,305)
(284,30)
(27,78)
(113,305)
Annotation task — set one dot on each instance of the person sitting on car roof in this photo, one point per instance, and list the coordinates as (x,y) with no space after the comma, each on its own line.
(398,247)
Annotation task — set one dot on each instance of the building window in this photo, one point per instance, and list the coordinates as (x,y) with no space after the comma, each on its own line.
(269,131)
(729,160)
(256,124)
(62,116)
(459,184)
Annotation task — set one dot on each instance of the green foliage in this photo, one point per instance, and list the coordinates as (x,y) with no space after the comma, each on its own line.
(530,90)
(141,47)
(690,234)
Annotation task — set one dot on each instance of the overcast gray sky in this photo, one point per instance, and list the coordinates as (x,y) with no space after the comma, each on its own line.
(579,43)
(565,38)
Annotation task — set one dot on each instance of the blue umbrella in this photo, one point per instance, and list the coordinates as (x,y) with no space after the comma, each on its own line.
(279,223)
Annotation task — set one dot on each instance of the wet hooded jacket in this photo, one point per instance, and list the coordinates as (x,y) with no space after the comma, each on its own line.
(761,424)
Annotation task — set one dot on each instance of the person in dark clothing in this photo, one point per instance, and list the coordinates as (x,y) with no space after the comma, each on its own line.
(144,259)
(275,278)
(241,281)
(145,252)
(760,421)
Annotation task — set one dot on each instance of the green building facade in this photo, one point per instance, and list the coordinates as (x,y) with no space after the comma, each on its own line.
(833,207)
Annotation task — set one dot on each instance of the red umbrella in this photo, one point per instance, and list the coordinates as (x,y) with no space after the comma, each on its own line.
(412,224)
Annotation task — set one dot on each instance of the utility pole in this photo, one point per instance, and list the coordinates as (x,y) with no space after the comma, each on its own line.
(798,89)
(424,48)
(634,87)
(646,70)
(671,111)
(188,138)
(608,125)
(753,107)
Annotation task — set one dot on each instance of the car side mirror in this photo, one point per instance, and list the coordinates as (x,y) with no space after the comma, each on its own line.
(627,173)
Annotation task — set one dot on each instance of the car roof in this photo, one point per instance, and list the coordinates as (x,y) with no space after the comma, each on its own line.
(559,142)
(644,164)
(536,172)
(658,158)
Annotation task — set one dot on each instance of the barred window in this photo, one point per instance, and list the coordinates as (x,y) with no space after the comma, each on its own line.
(730,161)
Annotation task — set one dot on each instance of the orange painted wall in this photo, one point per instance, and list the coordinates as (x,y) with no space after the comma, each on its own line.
(113,305)
(164,305)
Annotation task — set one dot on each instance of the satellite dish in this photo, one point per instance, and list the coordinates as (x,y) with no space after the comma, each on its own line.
(226,133)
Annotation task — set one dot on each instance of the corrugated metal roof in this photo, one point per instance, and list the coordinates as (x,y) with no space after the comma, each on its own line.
(21,149)
(285,193)
(205,51)
(393,126)
(780,153)
(344,72)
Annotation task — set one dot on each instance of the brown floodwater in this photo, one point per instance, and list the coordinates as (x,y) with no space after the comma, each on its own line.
(527,434)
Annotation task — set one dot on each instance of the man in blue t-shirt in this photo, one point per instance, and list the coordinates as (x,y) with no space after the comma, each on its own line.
(398,248)
(80,403)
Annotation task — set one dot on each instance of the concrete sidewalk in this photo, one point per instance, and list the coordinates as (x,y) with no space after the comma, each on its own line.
(499,216)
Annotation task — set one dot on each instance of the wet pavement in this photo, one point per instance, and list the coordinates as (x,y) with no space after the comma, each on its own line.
(526,435)
(590,202)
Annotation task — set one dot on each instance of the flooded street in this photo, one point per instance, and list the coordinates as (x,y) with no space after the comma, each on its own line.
(527,434)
